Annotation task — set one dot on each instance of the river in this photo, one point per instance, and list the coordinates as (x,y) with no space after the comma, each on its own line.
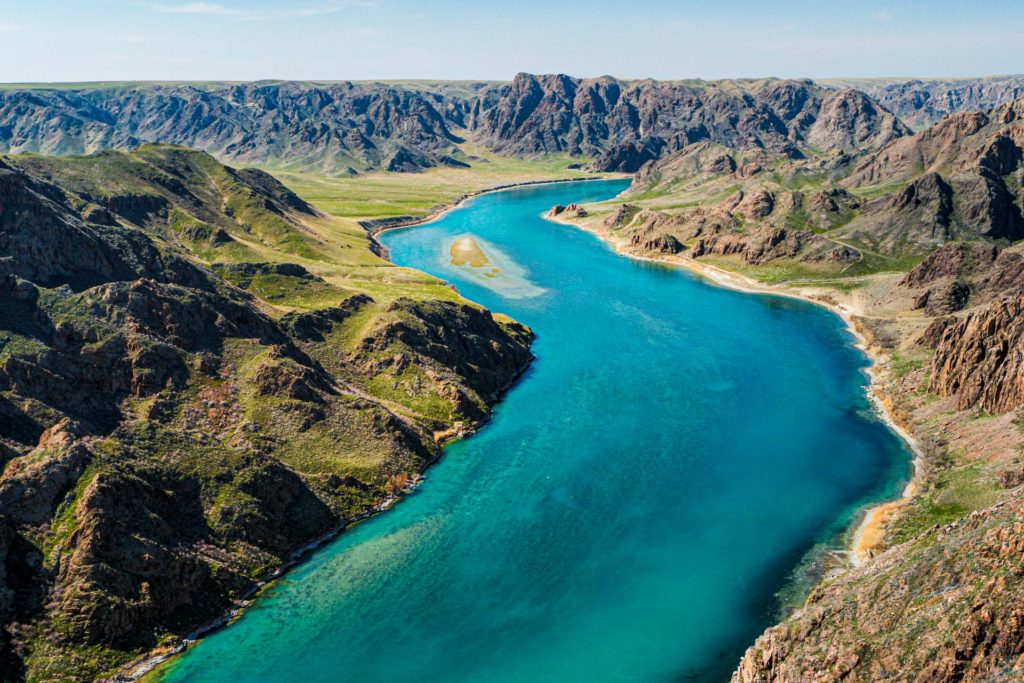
(635,505)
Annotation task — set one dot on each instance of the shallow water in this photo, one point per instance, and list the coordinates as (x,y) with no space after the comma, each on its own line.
(633,507)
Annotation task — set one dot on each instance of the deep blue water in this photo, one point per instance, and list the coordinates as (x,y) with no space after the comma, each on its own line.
(633,507)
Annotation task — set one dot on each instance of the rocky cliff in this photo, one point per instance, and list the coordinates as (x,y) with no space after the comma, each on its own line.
(923,102)
(944,607)
(350,127)
(978,358)
(329,127)
(173,431)
(625,124)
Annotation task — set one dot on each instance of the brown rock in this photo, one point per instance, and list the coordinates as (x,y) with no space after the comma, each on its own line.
(979,359)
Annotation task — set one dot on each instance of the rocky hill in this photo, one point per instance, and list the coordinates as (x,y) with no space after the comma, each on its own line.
(189,395)
(961,179)
(943,608)
(350,127)
(625,124)
(323,127)
(923,102)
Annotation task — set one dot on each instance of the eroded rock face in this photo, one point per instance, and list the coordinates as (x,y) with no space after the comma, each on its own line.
(921,103)
(944,608)
(625,124)
(956,174)
(979,360)
(329,127)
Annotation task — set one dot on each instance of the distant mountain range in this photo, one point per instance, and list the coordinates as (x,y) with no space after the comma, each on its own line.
(920,103)
(624,124)
(338,128)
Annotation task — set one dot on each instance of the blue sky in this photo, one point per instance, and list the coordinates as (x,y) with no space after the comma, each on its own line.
(64,40)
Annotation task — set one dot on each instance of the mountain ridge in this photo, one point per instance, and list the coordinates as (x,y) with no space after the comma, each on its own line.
(345,127)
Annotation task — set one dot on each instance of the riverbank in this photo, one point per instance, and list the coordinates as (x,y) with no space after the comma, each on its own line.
(869,535)
(150,661)
(154,658)
(377,227)
(711,276)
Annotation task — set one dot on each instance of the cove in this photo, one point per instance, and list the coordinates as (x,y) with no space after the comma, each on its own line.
(632,509)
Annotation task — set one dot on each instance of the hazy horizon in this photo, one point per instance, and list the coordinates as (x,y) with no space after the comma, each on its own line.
(821,79)
(58,41)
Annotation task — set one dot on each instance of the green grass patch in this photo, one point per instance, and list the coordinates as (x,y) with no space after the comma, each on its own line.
(386,195)
(953,494)
(906,362)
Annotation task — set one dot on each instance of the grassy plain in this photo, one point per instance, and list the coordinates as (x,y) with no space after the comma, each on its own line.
(386,195)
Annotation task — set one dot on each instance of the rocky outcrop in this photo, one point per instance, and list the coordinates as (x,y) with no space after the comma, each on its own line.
(978,360)
(407,161)
(572,209)
(943,608)
(922,103)
(627,123)
(762,246)
(33,485)
(324,126)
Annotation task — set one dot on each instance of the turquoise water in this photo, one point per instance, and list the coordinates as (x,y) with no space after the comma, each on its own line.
(633,507)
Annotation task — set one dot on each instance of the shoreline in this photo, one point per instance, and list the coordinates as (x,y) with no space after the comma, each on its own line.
(150,660)
(377,227)
(869,531)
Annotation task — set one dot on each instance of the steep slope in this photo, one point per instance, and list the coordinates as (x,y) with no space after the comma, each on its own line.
(323,127)
(338,128)
(944,607)
(170,438)
(921,103)
(978,358)
(964,173)
(625,124)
